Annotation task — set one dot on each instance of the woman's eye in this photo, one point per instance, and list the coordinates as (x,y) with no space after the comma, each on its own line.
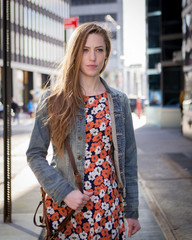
(100,50)
(85,50)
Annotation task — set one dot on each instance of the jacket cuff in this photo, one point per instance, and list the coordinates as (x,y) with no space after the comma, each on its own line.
(131,214)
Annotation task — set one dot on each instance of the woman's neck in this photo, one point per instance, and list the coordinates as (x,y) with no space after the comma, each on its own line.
(92,86)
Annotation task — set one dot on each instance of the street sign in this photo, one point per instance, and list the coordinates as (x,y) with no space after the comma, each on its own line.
(71,22)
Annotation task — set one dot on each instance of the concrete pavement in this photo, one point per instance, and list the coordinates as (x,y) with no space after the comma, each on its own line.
(152,143)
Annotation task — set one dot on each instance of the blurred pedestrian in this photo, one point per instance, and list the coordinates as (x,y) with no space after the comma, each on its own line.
(16,109)
(96,119)
(30,108)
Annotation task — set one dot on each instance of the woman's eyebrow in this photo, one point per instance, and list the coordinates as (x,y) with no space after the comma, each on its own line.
(95,47)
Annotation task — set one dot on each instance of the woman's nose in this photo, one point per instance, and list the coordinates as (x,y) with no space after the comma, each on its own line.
(92,55)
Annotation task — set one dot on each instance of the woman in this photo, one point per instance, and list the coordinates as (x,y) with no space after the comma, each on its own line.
(96,119)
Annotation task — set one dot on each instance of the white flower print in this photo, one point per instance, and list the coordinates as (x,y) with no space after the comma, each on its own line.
(98,230)
(108,225)
(98,150)
(86,110)
(83,235)
(102,126)
(91,230)
(114,233)
(107,146)
(50,210)
(105,206)
(113,207)
(105,139)
(86,146)
(98,171)
(61,236)
(87,162)
(91,100)
(98,217)
(114,184)
(87,185)
(89,118)
(94,198)
(107,213)
(96,237)
(91,222)
(102,100)
(94,111)
(108,116)
(102,193)
(99,162)
(61,219)
(107,182)
(91,176)
(74,236)
(88,154)
(116,201)
(94,131)
(88,214)
(101,107)
(109,190)
(55,225)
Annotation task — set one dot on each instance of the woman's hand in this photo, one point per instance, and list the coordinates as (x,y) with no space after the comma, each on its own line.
(133,226)
(76,200)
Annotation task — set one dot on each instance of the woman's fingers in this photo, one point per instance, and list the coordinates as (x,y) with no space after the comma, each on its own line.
(76,200)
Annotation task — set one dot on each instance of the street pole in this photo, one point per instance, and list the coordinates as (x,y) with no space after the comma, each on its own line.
(7,109)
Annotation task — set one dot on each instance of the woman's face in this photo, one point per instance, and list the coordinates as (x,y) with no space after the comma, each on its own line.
(94,54)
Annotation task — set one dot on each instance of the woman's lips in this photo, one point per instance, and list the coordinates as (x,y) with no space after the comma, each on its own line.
(92,66)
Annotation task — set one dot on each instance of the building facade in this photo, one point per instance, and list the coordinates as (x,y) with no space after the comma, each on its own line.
(108,14)
(187,67)
(37,44)
(164,61)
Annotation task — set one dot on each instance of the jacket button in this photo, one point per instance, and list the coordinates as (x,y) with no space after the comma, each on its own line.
(79,157)
(80,117)
(79,137)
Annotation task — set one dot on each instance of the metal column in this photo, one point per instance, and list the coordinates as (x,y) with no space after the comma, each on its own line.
(7,109)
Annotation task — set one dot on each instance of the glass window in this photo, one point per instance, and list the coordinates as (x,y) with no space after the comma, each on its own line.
(33,20)
(37,48)
(30,46)
(21,15)
(17,43)
(17,13)
(29,18)
(41,49)
(12,5)
(37,22)
(25,17)
(12,42)
(26,46)
(21,45)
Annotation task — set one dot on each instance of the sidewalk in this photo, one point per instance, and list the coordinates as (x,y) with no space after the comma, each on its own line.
(152,142)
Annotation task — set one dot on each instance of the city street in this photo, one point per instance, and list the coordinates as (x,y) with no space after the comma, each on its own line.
(164,159)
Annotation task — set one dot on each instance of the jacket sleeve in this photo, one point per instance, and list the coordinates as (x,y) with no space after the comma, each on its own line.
(54,184)
(131,179)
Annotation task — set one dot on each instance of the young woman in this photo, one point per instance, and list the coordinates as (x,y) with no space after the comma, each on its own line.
(96,120)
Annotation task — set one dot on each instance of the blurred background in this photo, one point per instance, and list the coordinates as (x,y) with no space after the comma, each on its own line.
(150,61)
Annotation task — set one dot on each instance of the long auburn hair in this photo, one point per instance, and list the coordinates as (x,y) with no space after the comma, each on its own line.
(66,96)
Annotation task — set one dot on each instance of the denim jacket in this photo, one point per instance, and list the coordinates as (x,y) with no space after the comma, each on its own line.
(57,178)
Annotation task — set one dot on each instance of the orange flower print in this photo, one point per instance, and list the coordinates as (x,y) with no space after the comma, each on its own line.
(98,204)
(88,137)
(89,126)
(89,205)
(94,158)
(103,154)
(108,130)
(106,197)
(62,211)
(97,137)
(100,114)
(98,180)
(78,217)
(55,216)
(86,227)
(78,229)
(98,123)
(93,147)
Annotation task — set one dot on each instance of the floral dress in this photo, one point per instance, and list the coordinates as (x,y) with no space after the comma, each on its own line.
(102,217)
